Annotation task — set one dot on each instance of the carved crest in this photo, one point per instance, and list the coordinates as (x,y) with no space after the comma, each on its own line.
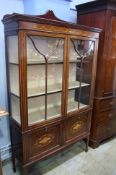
(49,15)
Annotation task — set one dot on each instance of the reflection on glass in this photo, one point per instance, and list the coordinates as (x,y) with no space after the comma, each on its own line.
(44,77)
(15,108)
(80,73)
(12,45)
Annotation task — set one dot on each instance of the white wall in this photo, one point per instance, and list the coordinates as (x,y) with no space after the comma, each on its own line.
(6,7)
(61,8)
(64,9)
(77,2)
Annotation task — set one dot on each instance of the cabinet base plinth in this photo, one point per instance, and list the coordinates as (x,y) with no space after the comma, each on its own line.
(94,144)
(25,170)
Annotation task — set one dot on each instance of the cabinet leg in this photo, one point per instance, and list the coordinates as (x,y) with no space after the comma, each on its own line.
(14,163)
(87,144)
(25,170)
(94,144)
(13,152)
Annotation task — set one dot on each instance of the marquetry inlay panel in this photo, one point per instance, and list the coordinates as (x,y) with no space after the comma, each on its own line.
(56,29)
(45,140)
(76,126)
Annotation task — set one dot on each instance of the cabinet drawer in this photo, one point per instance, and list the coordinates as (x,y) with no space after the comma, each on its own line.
(108,116)
(44,140)
(76,126)
(107,104)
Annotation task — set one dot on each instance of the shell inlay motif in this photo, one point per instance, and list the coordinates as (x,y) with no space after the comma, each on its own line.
(45,140)
(76,127)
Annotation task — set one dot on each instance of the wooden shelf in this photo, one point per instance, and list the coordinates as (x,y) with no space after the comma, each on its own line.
(49,62)
(51,89)
(36,115)
(74,61)
(14,63)
(36,62)
(76,84)
(53,111)
(39,115)
(41,62)
(33,92)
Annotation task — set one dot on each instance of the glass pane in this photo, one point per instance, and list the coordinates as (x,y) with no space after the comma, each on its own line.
(14,79)
(80,73)
(73,103)
(12,52)
(36,80)
(12,48)
(45,69)
(54,77)
(15,108)
(36,109)
(39,47)
(53,105)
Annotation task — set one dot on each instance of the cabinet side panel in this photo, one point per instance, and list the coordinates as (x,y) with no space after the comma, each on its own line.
(110,76)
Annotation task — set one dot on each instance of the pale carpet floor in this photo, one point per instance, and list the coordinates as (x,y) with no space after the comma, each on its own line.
(74,161)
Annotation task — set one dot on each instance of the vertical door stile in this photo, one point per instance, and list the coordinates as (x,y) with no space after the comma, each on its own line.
(67,71)
(81,76)
(23,80)
(64,77)
(46,86)
(94,67)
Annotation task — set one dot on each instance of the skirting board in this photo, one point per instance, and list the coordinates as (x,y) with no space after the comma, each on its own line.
(5,152)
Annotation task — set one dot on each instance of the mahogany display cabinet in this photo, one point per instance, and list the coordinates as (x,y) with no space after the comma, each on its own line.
(102,14)
(51,69)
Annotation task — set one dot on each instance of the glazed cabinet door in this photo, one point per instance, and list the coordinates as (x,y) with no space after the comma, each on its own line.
(81,54)
(45,69)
